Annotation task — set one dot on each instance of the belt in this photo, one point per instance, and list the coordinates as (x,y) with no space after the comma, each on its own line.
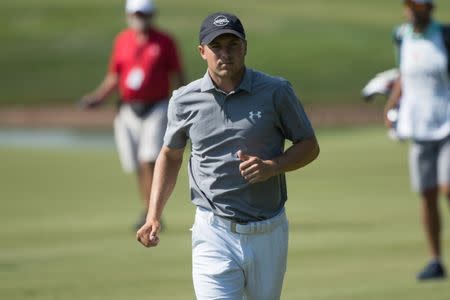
(142,108)
(249,228)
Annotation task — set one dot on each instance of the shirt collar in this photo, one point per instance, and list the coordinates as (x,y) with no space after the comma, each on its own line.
(245,85)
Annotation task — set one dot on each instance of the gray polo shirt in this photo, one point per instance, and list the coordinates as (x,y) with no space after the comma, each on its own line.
(256,118)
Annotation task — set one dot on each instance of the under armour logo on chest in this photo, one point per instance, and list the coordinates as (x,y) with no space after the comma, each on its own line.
(254,115)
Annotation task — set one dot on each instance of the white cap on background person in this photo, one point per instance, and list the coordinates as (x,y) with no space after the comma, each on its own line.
(143,6)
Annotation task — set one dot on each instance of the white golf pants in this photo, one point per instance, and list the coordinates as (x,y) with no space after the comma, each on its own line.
(235,262)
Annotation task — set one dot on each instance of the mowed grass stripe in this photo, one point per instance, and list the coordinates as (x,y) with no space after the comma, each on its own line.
(66,221)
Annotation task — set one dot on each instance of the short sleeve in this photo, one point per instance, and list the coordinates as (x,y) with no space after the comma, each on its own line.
(175,136)
(173,58)
(397,38)
(293,121)
(446,37)
(114,64)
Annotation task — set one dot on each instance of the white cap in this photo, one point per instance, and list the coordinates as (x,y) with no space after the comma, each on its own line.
(144,6)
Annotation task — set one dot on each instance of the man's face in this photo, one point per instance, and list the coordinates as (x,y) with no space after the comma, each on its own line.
(225,55)
(418,14)
(140,22)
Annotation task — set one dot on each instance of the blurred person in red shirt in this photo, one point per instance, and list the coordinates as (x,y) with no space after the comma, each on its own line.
(144,68)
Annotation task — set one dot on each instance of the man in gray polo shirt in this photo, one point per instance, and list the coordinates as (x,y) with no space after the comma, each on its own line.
(237,120)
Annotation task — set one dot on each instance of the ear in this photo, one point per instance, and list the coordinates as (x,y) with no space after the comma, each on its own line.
(245,47)
(201,50)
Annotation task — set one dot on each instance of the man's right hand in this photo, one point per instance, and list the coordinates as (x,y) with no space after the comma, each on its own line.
(148,234)
(392,103)
(387,122)
(89,101)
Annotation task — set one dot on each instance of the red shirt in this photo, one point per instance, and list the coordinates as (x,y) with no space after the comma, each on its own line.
(144,69)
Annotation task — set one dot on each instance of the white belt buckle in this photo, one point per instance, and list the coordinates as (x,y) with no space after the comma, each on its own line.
(233,227)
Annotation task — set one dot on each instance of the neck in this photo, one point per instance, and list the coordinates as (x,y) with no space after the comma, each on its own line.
(420,27)
(142,36)
(227,84)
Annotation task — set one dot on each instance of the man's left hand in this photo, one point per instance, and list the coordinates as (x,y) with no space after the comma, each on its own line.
(254,169)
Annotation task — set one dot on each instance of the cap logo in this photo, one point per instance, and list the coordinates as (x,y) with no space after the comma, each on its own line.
(221,21)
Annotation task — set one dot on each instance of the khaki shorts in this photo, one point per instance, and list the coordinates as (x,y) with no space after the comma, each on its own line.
(429,164)
(139,139)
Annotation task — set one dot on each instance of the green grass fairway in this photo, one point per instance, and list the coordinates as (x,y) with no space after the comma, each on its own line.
(66,214)
(54,51)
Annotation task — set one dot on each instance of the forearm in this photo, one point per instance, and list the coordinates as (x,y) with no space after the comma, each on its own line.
(166,172)
(394,97)
(297,156)
(107,87)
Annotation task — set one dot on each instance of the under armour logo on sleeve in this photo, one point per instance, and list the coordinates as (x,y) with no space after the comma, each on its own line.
(254,115)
